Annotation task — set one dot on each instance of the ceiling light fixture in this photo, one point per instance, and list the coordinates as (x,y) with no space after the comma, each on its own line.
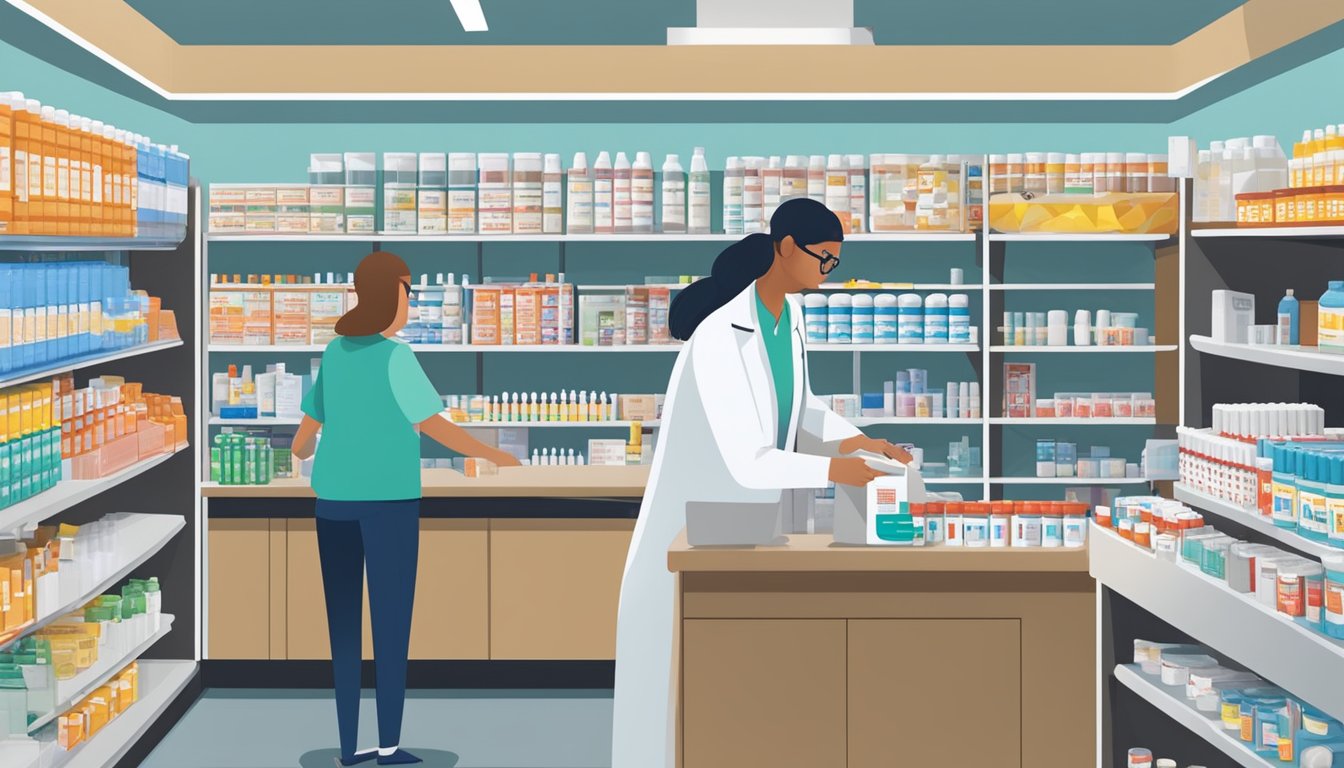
(471,15)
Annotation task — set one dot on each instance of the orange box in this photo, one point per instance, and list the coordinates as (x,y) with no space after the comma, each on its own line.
(168,325)
(113,456)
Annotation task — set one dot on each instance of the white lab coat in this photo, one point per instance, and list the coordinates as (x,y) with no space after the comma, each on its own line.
(717,443)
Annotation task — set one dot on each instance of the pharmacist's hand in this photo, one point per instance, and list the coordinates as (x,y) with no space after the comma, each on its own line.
(851,471)
(876,445)
(504,459)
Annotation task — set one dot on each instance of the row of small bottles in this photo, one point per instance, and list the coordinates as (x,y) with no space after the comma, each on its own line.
(619,198)
(557,458)
(520,407)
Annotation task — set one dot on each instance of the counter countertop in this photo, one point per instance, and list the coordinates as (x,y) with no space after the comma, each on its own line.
(511,482)
(819,553)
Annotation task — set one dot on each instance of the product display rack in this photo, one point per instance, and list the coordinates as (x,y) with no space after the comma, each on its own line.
(1281,356)
(718,237)
(159,537)
(1226,512)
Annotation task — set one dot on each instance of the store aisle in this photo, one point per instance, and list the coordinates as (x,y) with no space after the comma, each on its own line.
(250,728)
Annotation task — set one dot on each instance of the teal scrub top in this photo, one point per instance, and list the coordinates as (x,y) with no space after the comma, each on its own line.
(369,395)
(779,351)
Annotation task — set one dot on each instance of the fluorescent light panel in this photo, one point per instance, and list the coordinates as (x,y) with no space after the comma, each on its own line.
(471,15)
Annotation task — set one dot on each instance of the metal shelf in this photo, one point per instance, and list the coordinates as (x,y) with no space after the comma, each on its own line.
(1294,232)
(1068,481)
(1253,520)
(893,347)
(139,537)
(1073,287)
(85,361)
(1106,422)
(716,237)
(1067,237)
(1235,624)
(448,348)
(871,421)
(1134,348)
(1300,358)
(61,243)
(1207,726)
(68,493)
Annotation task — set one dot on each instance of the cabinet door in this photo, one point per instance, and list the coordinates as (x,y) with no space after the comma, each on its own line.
(555,586)
(452,591)
(763,692)
(935,692)
(239,585)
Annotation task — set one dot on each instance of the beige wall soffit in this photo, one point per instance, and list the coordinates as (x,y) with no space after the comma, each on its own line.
(112,30)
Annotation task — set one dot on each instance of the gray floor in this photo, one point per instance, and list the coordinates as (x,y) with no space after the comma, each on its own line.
(449,729)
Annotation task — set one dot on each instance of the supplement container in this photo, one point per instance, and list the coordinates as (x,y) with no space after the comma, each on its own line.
(952,523)
(1000,523)
(935,319)
(1267,577)
(840,319)
(958,319)
(462,193)
(1334,595)
(933,522)
(1052,526)
(975,524)
(1313,593)
(1176,667)
(1140,758)
(1229,709)
(886,319)
(911,314)
(815,316)
(1213,561)
(1330,318)
(863,318)
(1075,524)
(1291,599)
(1267,711)
(527,193)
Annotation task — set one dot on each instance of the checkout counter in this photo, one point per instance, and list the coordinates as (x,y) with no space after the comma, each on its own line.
(813,653)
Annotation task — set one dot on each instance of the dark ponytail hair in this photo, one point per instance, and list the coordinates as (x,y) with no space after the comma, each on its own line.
(807,221)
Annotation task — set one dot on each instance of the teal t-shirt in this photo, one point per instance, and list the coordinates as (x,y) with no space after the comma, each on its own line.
(369,395)
(778,337)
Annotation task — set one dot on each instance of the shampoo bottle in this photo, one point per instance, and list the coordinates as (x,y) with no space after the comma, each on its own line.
(580,218)
(1287,319)
(621,202)
(674,195)
(602,194)
(698,194)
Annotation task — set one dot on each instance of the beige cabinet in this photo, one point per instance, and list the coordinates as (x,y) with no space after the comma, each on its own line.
(749,701)
(555,586)
(239,596)
(452,591)
(917,685)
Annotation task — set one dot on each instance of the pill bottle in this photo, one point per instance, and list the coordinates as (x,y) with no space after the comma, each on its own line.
(1034,175)
(1313,594)
(815,317)
(958,319)
(1054,172)
(935,319)
(998,174)
(952,523)
(839,319)
(1140,758)
(1015,169)
(911,318)
(1136,172)
(1075,524)
(886,319)
(975,524)
(1052,525)
(934,531)
(1026,524)
(1000,523)
(1334,595)
(863,315)
(1291,585)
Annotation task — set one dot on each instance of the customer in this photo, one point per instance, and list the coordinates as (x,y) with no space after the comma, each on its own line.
(371,402)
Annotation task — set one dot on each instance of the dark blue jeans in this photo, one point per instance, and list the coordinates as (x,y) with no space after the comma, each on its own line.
(381,538)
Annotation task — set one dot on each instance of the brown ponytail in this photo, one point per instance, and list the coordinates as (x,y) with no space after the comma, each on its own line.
(378,282)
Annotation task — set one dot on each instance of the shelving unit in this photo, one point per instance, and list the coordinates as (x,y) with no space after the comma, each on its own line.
(1205,725)
(1253,520)
(61,244)
(1130,349)
(1289,232)
(1298,358)
(1116,421)
(1231,623)
(1068,481)
(86,361)
(1072,286)
(716,237)
(68,493)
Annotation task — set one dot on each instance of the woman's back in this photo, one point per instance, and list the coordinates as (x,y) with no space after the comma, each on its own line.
(369,395)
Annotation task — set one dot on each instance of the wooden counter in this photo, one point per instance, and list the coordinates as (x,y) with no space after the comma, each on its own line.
(511,482)
(815,654)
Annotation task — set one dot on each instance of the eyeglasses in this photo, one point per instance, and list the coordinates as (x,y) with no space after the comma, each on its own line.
(829,261)
(407,287)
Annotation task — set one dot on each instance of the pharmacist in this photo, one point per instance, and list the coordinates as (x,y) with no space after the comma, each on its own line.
(740,424)
(372,401)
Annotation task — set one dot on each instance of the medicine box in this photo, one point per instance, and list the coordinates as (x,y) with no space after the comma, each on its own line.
(606,452)
(638,407)
(1233,315)
(1019,390)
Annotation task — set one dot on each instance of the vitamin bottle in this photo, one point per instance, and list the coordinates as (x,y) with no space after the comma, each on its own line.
(858,193)
(1033,178)
(794,181)
(552,209)
(1318,157)
(674,195)
(603,191)
(1116,178)
(837,187)
(998,174)
(816,178)
(38,177)
(22,150)
(1015,170)
(1158,180)
(1055,172)
(732,197)
(98,179)
(462,193)
(1136,172)
(641,194)
(580,215)
(753,195)
(1301,150)
(6,165)
(495,194)
(86,156)
(621,202)
(63,218)
(697,194)
(772,182)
